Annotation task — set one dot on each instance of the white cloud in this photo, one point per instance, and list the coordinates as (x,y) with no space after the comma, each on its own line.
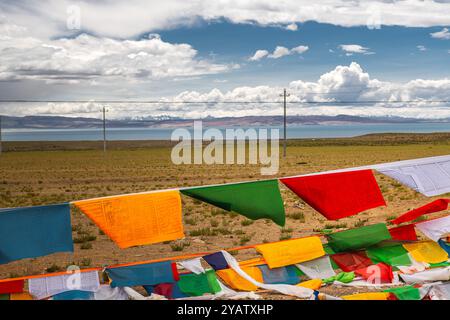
(87,57)
(115,18)
(422,48)
(279,52)
(350,49)
(259,54)
(444,34)
(292,27)
(344,90)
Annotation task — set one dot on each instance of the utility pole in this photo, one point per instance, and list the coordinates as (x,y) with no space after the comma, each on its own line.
(284,95)
(104,129)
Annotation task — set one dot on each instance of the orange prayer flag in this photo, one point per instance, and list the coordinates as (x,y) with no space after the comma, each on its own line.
(285,253)
(252,262)
(235,281)
(313,284)
(20,296)
(139,219)
(368,296)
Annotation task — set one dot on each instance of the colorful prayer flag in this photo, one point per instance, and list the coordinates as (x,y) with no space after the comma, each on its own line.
(139,219)
(436,228)
(368,296)
(393,255)
(235,281)
(255,200)
(429,252)
(284,253)
(359,238)
(338,195)
(282,275)
(13,286)
(199,284)
(404,233)
(216,260)
(378,273)
(32,232)
(351,261)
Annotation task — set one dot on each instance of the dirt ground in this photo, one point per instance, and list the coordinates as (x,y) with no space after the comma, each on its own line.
(54,172)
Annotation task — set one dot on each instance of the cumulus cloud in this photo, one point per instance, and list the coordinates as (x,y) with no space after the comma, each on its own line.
(350,49)
(86,57)
(278,52)
(115,18)
(346,89)
(292,27)
(259,54)
(444,34)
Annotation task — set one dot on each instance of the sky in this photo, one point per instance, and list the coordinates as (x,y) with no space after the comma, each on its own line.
(371,58)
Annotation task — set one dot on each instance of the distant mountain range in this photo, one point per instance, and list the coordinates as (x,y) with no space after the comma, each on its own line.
(57,122)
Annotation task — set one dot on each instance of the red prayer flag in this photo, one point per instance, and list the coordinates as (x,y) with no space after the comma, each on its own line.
(176,275)
(338,195)
(15,286)
(351,261)
(378,273)
(435,206)
(404,233)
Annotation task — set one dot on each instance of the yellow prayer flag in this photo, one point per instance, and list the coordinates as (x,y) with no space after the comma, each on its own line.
(313,284)
(252,262)
(20,296)
(428,251)
(235,281)
(368,296)
(137,219)
(285,253)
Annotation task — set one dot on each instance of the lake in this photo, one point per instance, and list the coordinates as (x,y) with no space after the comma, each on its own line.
(294,131)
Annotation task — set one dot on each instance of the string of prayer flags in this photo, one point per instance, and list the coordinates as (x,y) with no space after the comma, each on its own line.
(14,286)
(235,281)
(429,252)
(432,207)
(286,275)
(393,255)
(143,274)
(254,200)
(290,252)
(436,228)
(216,260)
(359,238)
(375,274)
(351,261)
(404,233)
(31,232)
(139,219)
(338,195)
(41,288)
(429,176)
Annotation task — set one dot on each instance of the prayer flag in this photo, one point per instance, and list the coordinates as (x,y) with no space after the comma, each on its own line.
(435,206)
(338,195)
(255,200)
(375,274)
(359,238)
(319,268)
(429,176)
(393,255)
(351,261)
(429,252)
(199,284)
(139,219)
(444,245)
(368,296)
(21,296)
(32,232)
(436,228)
(313,284)
(405,293)
(74,295)
(284,253)
(235,281)
(404,233)
(143,274)
(216,260)
(14,286)
(282,275)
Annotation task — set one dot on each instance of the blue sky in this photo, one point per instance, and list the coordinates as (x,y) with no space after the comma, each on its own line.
(327,51)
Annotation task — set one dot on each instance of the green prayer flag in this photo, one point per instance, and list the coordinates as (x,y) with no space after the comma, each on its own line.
(255,200)
(358,238)
(405,293)
(394,255)
(440,264)
(198,284)
(4,296)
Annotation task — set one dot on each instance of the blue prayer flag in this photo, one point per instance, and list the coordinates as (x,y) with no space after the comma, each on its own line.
(74,295)
(143,274)
(216,260)
(32,232)
(283,275)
